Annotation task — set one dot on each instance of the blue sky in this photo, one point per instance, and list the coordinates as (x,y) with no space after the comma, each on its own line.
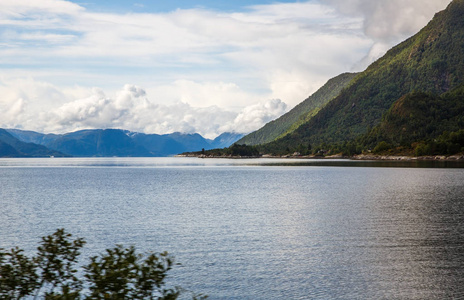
(189,66)
(150,6)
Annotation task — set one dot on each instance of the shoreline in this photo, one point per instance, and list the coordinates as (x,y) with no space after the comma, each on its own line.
(366,157)
(455,157)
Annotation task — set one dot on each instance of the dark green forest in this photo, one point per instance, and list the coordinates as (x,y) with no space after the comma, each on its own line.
(410,101)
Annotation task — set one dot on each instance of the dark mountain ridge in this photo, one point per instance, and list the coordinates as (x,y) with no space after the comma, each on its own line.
(100,142)
(116,142)
(11,146)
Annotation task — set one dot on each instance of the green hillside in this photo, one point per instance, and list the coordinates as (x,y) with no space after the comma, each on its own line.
(432,62)
(300,114)
(419,119)
(419,116)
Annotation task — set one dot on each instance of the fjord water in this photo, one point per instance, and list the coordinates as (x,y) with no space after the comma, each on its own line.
(255,229)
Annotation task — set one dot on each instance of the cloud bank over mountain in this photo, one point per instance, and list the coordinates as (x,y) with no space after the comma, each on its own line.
(203,70)
(131,109)
(388,22)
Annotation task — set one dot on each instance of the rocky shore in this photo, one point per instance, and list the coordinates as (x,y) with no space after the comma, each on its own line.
(407,158)
(355,157)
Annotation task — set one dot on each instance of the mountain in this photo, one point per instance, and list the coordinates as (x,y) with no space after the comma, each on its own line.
(100,142)
(422,118)
(190,141)
(226,139)
(175,143)
(32,136)
(10,146)
(432,62)
(300,114)
(170,144)
(116,142)
(6,150)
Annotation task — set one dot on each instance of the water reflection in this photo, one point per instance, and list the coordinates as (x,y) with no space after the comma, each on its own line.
(255,232)
(185,162)
(370,234)
(412,243)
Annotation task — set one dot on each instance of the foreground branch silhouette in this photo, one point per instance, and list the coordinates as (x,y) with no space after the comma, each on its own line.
(119,273)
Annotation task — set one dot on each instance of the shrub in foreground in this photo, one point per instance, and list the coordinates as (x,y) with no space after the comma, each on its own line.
(119,273)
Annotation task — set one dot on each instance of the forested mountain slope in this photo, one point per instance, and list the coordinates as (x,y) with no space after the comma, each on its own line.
(432,61)
(300,114)
(418,119)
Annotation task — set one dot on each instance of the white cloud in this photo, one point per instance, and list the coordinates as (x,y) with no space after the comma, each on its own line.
(256,116)
(24,98)
(204,94)
(202,70)
(247,52)
(389,22)
(18,8)
(130,108)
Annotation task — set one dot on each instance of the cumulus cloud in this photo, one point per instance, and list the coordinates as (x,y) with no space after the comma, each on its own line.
(23,98)
(255,116)
(130,108)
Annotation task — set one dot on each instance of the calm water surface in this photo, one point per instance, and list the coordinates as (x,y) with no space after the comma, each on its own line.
(255,229)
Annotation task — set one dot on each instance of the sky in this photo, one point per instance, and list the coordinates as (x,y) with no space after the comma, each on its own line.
(203,67)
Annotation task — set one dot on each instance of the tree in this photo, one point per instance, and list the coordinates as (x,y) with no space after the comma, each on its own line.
(18,276)
(56,260)
(119,273)
(381,147)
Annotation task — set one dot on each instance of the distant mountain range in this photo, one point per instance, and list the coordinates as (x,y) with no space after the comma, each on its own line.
(411,98)
(105,142)
(11,146)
